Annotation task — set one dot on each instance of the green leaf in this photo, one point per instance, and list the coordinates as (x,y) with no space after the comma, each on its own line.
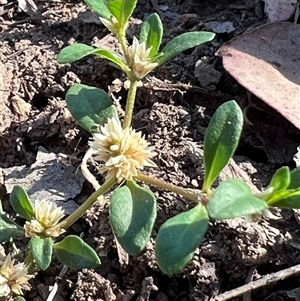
(281,179)
(89,106)
(234,198)
(121,10)
(178,238)
(41,249)
(289,198)
(100,7)
(132,213)
(20,202)
(74,52)
(151,33)
(295,178)
(19,298)
(183,42)
(221,140)
(9,229)
(78,51)
(73,252)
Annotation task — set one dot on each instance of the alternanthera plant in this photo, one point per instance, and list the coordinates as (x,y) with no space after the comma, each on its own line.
(121,153)
(45,227)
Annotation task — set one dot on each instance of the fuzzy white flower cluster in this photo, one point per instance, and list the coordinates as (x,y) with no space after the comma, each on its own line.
(46,222)
(122,151)
(13,277)
(141,64)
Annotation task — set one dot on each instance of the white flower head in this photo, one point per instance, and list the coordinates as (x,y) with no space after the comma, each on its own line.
(141,64)
(13,277)
(46,222)
(122,151)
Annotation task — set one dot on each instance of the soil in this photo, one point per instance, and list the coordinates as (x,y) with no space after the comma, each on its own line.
(173,110)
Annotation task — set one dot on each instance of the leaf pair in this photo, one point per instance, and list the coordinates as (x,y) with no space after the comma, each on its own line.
(151,34)
(232,198)
(72,251)
(120,9)
(285,188)
(179,236)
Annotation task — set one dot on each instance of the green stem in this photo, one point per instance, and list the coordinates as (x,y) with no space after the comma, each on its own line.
(188,194)
(124,46)
(130,103)
(132,78)
(71,219)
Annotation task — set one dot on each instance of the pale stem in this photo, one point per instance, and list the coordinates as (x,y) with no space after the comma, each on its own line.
(85,171)
(167,186)
(124,46)
(133,81)
(71,219)
(130,103)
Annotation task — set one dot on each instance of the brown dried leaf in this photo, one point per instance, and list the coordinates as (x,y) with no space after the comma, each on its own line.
(266,62)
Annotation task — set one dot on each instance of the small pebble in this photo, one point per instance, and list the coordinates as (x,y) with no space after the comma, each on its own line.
(194,182)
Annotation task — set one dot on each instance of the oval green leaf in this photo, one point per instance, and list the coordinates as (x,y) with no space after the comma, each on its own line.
(89,106)
(73,53)
(19,298)
(221,140)
(73,252)
(295,178)
(289,198)
(281,179)
(78,51)
(9,229)
(41,249)
(132,213)
(151,33)
(234,198)
(20,202)
(121,10)
(183,42)
(178,238)
(99,7)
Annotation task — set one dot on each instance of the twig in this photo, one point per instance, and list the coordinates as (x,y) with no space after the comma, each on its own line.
(249,278)
(265,280)
(55,287)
